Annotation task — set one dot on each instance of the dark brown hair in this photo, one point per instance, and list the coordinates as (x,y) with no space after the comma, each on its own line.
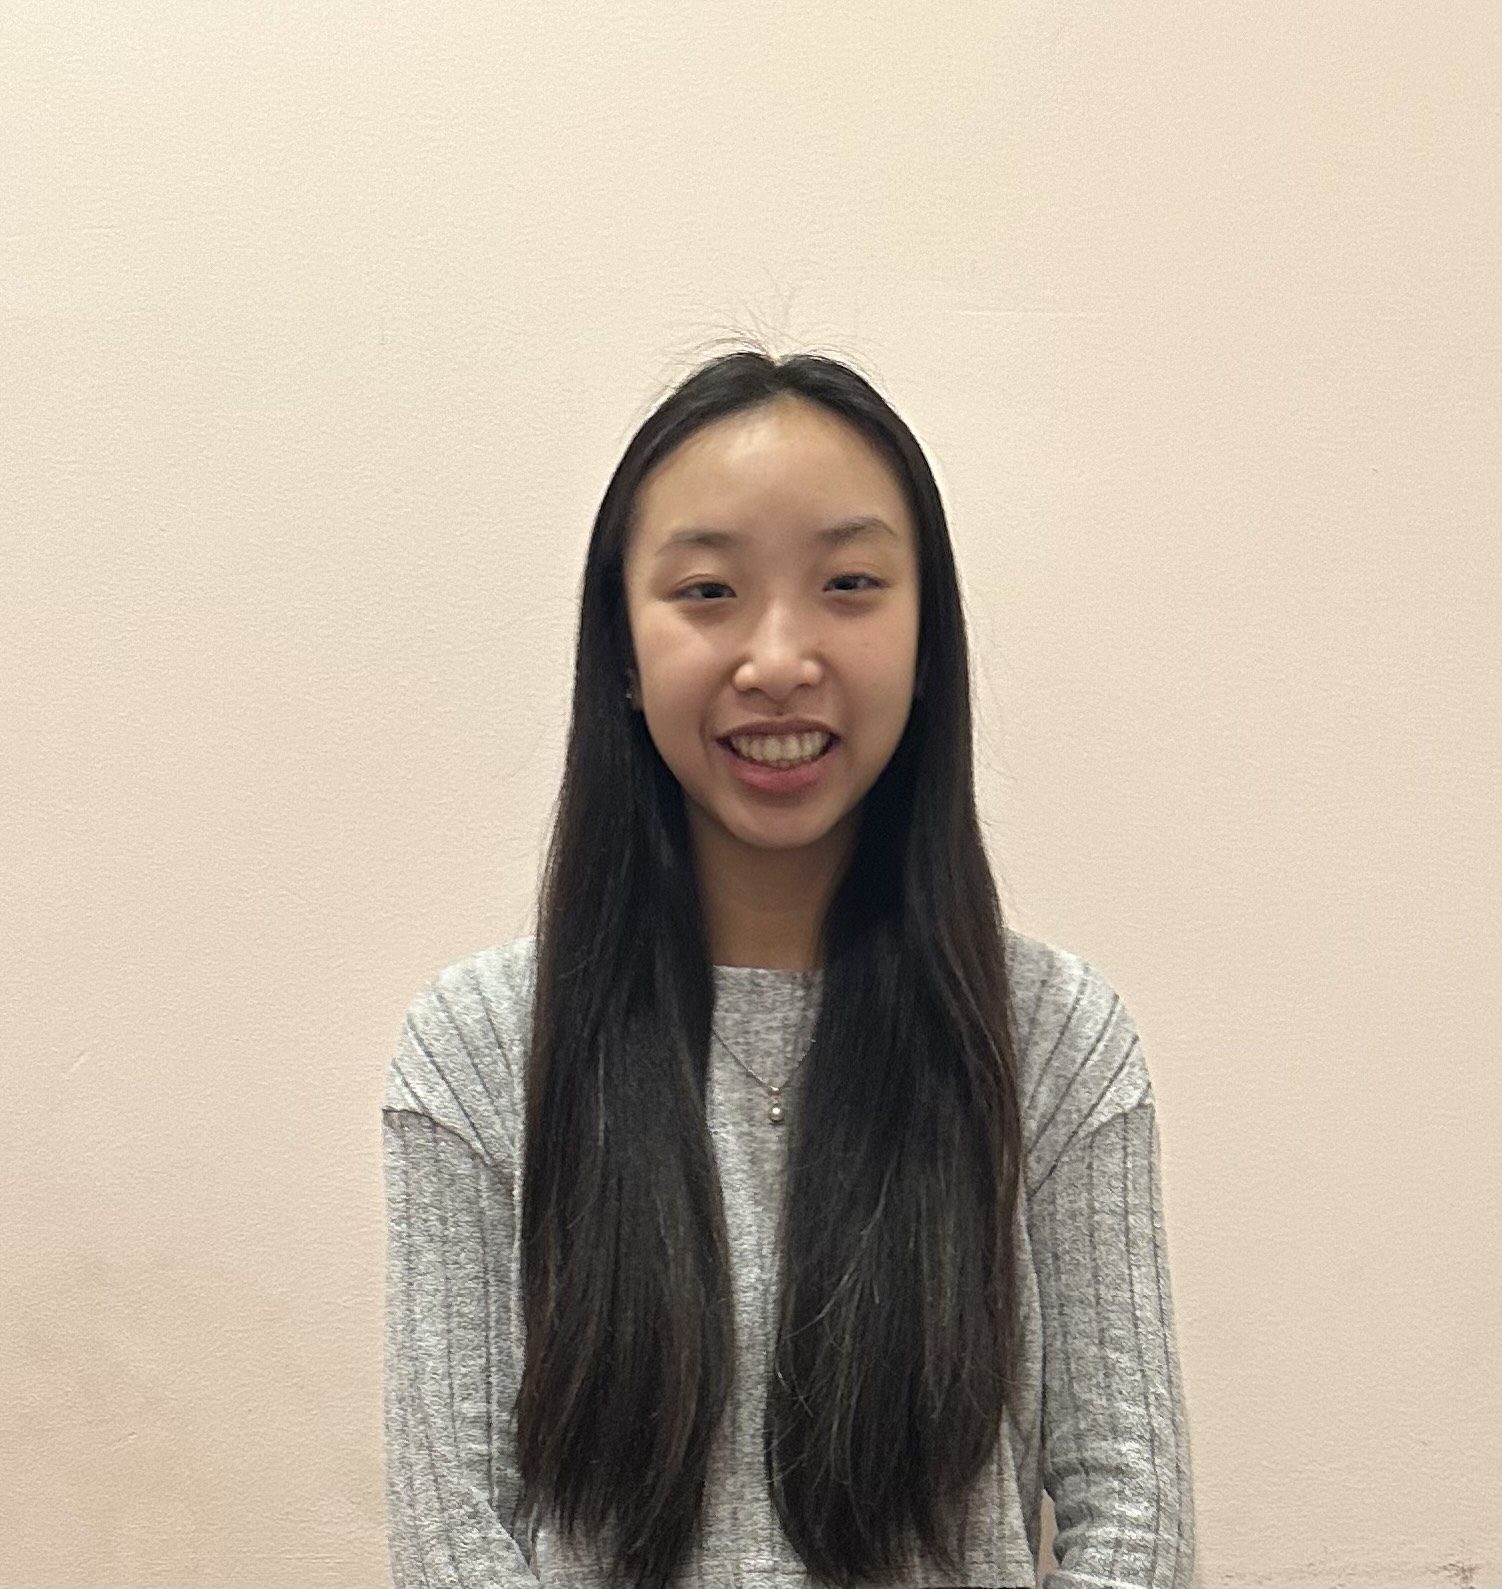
(903,1158)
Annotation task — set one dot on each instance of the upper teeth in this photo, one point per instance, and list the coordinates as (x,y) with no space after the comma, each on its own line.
(781,747)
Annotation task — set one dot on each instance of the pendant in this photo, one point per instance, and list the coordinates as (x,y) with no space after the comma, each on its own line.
(774,1114)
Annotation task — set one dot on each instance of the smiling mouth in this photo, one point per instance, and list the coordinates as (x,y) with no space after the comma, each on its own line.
(781,766)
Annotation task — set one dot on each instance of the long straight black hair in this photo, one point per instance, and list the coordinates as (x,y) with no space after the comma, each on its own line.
(903,1157)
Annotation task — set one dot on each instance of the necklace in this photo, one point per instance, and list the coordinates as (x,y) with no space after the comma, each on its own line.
(774,1112)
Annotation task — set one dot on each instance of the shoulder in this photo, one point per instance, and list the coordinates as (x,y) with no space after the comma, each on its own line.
(1080,1055)
(457,1055)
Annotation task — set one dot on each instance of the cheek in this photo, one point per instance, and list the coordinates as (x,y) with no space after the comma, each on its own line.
(675,661)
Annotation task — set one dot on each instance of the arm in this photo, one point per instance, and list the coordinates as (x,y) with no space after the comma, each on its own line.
(1116,1457)
(451,1478)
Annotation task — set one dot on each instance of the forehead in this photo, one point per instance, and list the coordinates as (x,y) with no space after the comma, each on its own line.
(790,469)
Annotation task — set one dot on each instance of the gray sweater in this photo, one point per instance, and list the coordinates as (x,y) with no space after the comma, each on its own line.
(1102,1421)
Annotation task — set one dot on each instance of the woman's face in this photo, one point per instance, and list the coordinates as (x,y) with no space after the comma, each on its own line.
(774,620)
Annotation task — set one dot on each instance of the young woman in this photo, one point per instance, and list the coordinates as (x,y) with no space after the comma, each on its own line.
(776,1214)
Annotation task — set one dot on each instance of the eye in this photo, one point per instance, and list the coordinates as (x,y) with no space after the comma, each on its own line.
(715,584)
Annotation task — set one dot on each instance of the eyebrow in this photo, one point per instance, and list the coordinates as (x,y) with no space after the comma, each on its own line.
(858,527)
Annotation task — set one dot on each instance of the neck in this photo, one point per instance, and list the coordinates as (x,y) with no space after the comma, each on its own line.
(766,907)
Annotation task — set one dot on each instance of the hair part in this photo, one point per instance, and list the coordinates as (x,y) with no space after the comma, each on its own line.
(896,1323)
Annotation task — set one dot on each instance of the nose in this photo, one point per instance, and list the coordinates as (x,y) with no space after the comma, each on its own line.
(783,654)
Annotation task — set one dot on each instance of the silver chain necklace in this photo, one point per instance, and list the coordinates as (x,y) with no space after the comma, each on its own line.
(774,1112)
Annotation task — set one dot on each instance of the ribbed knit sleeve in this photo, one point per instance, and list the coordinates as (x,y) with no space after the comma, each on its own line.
(451,1485)
(1115,1457)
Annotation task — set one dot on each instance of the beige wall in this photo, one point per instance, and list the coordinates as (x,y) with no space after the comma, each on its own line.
(323,327)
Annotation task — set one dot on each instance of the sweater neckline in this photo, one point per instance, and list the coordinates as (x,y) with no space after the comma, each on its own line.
(768,976)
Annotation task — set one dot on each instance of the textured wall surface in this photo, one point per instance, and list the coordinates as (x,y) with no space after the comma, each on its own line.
(323,328)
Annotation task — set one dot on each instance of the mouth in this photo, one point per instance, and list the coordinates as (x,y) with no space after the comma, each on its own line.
(762,779)
(831,741)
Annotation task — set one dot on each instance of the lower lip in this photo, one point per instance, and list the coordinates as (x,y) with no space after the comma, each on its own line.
(775,780)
